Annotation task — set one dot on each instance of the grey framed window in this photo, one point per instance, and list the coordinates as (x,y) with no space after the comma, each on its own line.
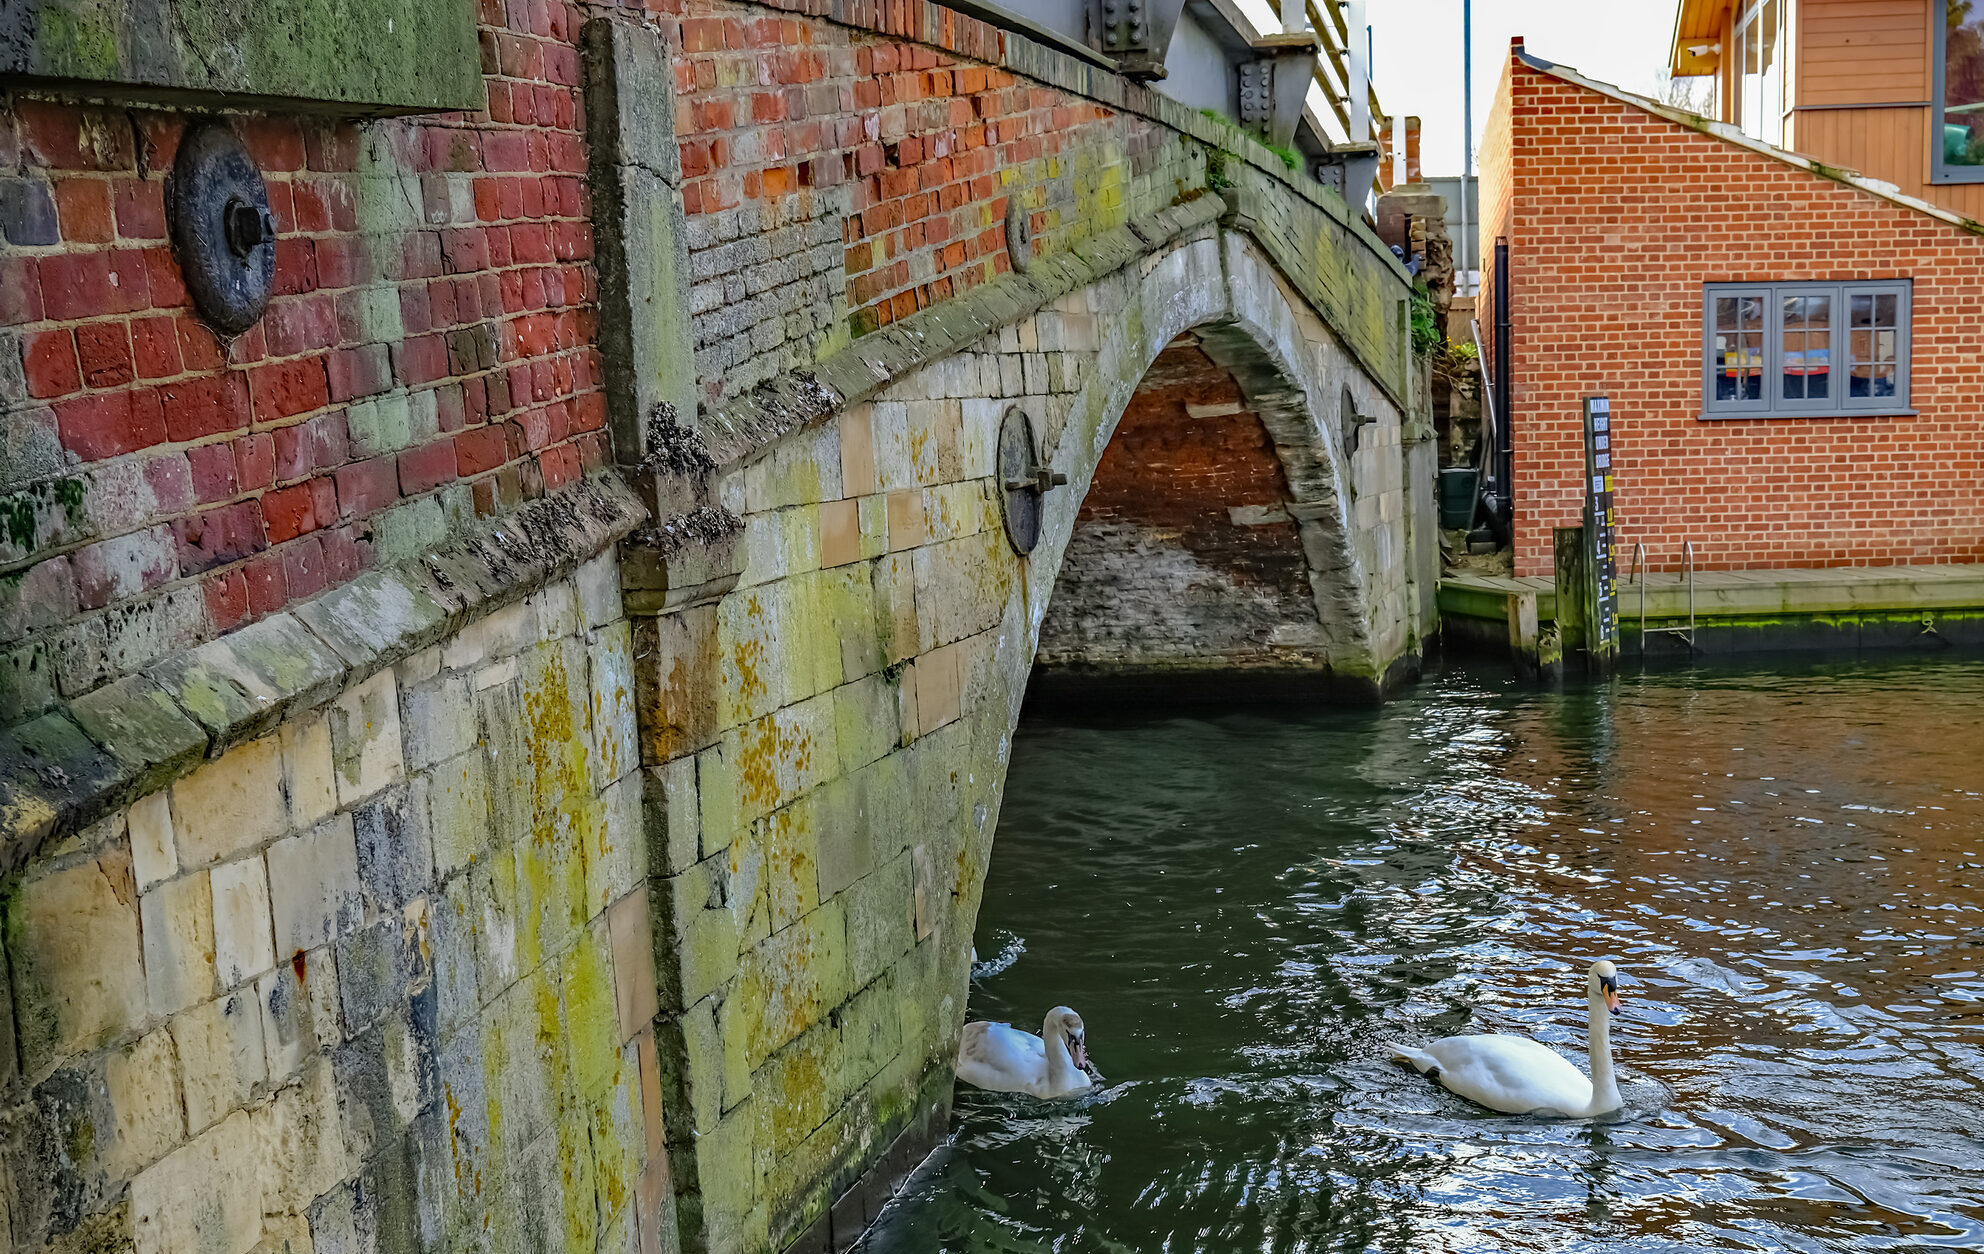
(1805,350)
(1956,150)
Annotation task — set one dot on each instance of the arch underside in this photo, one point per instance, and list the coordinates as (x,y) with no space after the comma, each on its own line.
(1213,544)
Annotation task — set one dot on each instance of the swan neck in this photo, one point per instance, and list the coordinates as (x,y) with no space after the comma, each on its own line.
(1060,1063)
(1604,1085)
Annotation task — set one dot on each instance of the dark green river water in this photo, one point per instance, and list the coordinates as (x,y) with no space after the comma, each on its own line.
(1788,865)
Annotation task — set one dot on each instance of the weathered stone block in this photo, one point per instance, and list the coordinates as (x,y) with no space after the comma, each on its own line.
(147,1118)
(880,919)
(678,699)
(438,721)
(378,964)
(176,1206)
(73,941)
(220,1056)
(615,840)
(592,1024)
(314,887)
(299,1008)
(154,856)
(615,748)
(244,946)
(230,805)
(178,922)
(395,855)
(458,809)
(672,816)
(365,739)
(307,772)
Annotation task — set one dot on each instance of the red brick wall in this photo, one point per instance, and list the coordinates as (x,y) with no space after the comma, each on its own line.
(1618,217)
(209,483)
(431,351)
(837,179)
(1158,570)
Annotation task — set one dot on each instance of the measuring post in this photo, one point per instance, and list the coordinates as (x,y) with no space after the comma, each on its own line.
(1602,605)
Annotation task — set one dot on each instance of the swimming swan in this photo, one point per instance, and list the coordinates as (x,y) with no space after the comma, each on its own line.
(1518,1076)
(1002,1058)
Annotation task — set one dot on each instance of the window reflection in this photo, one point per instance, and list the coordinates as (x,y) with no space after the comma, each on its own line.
(1872,345)
(1961,109)
(1739,348)
(1807,344)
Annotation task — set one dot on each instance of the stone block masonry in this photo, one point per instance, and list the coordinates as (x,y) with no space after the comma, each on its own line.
(503,754)
(379,975)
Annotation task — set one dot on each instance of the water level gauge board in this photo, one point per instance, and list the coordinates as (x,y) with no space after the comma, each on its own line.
(1598,521)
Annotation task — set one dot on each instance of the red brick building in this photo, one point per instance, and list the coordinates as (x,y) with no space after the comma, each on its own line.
(1791,350)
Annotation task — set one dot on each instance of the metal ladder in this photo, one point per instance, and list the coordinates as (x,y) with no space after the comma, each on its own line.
(1687,634)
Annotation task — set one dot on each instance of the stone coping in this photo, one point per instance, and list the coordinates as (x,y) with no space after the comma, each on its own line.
(738,428)
(69,766)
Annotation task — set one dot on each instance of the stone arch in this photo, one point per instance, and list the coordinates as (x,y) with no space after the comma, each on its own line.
(828,695)
(1287,367)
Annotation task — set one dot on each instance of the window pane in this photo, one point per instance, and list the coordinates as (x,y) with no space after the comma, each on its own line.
(1737,368)
(1806,349)
(1961,110)
(1862,310)
(1874,347)
(1770,87)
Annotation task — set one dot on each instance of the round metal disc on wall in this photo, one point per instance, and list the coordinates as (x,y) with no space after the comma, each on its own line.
(1019,481)
(1019,233)
(222,230)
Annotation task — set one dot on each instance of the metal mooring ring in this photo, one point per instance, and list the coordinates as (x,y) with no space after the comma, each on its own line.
(1019,233)
(1022,481)
(222,230)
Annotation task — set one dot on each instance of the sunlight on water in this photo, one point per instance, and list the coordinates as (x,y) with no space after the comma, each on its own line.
(1788,865)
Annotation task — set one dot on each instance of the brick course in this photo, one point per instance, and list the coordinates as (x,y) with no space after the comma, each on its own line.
(440,266)
(1616,217)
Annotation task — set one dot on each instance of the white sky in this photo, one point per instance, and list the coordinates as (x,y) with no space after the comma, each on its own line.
(1416,50)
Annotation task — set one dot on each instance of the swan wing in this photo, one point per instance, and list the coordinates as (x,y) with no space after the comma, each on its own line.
(1000,1057)
(1512,1074)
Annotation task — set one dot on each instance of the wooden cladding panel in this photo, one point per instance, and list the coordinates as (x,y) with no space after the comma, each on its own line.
(1890,144)
(1862,51)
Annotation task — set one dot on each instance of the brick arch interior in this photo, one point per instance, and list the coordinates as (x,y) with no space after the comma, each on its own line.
(1184,553)
(1211,539)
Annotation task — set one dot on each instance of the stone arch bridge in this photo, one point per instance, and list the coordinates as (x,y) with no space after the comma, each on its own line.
(502,754)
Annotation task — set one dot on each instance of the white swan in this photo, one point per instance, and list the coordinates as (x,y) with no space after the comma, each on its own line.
(1000,1057)
(1518,1076)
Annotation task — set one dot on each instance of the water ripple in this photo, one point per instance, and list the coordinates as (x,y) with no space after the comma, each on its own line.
(1245,908)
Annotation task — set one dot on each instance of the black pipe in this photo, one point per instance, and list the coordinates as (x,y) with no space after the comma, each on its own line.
(1505,455)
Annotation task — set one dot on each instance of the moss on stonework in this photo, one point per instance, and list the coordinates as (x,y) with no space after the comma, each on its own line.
(372,54)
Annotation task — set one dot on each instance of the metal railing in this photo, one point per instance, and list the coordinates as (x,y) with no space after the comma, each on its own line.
(1686,634)
(1333,66)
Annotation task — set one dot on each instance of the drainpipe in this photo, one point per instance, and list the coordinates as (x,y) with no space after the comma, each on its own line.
(1504,418)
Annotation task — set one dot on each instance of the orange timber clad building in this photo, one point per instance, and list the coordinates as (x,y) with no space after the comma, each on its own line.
(1784,299)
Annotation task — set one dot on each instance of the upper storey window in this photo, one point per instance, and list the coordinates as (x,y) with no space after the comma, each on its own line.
(1959,99)
(1761,42)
